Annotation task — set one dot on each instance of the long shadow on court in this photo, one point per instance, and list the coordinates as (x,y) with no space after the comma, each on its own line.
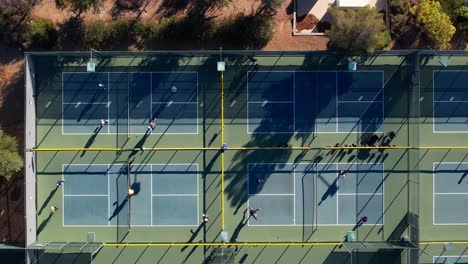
(331,191)
(44,223)
(91,139)
(239,227)
(46,202)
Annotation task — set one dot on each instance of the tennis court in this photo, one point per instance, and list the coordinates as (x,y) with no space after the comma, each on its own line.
(308,102)
(335,200)
(130,100)
(450,101)
(165,195)
(315,146)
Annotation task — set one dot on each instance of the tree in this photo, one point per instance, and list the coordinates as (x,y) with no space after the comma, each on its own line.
(42,33)
(457,10)
(269,7)
(79,6)
(10,160)
(360,29)
(434,22)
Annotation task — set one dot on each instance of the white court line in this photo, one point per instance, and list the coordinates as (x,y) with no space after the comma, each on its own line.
(85,195)
(444,101)
(361,193)
(108,196)
(271,194)
(271,102)
(151,95)
(294,199)
(174,102)
(336,107)
(294,117)
(354,102)
(176,195)
(151,188)
(198,183)
(451,193)
(83,103)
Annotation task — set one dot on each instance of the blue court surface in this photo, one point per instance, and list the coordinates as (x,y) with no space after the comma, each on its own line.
(315,101)
(450,101)
(165,195)
(129,101)
(451,259)
(314,194)
(450,193)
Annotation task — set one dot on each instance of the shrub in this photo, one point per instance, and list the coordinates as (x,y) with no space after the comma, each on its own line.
(246,31)
(129,4)
(79,6)
(42,34)
(148,32)
(10,159)
(357,30)
(97,34)
(434,22)
(120,30)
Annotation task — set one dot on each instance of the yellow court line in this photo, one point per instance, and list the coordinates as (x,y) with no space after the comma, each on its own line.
(266,244)
(244,148)
(443,243)
(279,244)
(222,153)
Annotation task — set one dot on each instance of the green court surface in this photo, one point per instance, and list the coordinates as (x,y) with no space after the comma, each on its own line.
(311,144)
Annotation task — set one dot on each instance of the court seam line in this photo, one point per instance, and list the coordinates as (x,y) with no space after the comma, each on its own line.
(176,195)
(191,72)
(81,103)
(271,102)
(336,107)
(337,194)
(174,102)
(271,194)
(354,102)
(294,123)
(294,199)
(151,179)
(454,101)
(349,194)
(449,193)
(108,100)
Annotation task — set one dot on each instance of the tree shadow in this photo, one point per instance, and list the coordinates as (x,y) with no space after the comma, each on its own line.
(171,7)
(71,34)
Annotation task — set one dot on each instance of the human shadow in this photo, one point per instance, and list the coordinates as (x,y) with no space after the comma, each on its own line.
(44,223)
(193,236)
(46,202)
(118,208)
(331,191)
(138,146)
(239,227)
(91,139)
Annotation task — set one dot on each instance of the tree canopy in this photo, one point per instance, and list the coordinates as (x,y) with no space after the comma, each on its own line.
(360,29)
(80,6)
(434,22)
(10,160)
